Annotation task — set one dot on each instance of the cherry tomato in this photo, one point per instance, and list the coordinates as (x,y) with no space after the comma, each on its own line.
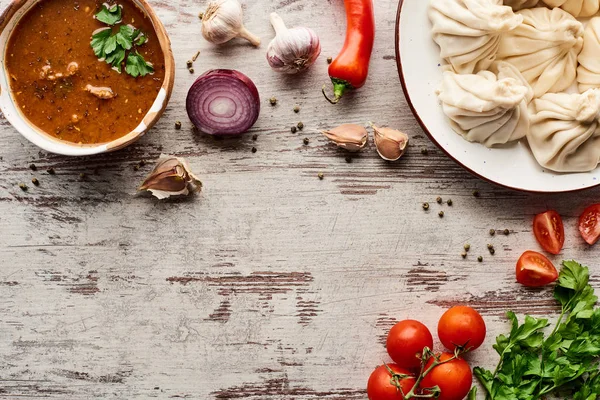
(549,231)
(589,224)
(406,341)
(534,269)
(454,378)
(461,326)
(381,385)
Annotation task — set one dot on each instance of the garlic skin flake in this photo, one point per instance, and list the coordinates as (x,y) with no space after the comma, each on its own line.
(351,137)
(391,144)
(223,21)
(171,177)
(292,50)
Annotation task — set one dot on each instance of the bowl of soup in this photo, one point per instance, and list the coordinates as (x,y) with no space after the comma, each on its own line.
(82,77)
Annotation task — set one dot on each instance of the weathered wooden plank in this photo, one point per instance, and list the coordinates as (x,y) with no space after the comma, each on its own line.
(272,283)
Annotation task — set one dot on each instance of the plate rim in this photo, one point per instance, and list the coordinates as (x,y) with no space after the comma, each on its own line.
(432,138)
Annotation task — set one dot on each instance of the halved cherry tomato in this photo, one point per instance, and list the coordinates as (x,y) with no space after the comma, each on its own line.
(549,231)
(534,269)
(461,326)
(383,386)
(589,224)
(454,378)
(406,341)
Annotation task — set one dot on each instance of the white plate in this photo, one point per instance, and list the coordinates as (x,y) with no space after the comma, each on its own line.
(419,66)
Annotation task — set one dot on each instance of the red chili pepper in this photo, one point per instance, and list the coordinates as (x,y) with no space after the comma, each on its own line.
(351,67)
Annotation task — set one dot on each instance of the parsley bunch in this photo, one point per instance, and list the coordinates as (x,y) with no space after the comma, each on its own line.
(116,47)
(564,363)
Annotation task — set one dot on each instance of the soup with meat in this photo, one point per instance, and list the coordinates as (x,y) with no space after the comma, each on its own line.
(85,71)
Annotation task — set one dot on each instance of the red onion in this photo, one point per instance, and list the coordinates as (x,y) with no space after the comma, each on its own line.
(223,102)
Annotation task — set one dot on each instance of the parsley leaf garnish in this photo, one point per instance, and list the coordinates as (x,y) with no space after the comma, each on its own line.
(136,65)
(117,47)
(109,16)
(565,362)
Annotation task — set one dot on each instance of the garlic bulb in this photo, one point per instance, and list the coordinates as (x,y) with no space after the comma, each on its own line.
(391,144)
(292,50)
(348,136)
(223,21)
(171,177)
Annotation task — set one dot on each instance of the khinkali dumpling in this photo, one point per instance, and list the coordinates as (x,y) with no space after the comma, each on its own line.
(486,108)
(577,8)
(544,48)
(468,31)
(564,134)
(520,4)
(588,72)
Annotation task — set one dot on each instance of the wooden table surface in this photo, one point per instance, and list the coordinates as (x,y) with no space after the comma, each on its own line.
(271,284)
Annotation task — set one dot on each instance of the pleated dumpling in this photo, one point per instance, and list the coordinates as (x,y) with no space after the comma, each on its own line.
(565,135)
(520,4)
(577,8)
(468,31)
(486,108)
(588,72)
(544,48)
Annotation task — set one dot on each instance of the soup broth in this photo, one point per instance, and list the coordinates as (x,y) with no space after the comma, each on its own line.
(61,86)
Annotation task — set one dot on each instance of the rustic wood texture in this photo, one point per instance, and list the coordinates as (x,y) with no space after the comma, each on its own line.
(271,284)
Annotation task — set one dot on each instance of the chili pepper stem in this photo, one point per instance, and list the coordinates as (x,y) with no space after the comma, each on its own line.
(339,88)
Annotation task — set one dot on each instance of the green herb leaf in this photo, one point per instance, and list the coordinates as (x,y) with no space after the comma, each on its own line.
(119,47)
(110,45)
(472,394)
(98,42)
(126,35)
(573,291)
(141,39)
(533,367)
(137,66)
(116,58)
(109,16)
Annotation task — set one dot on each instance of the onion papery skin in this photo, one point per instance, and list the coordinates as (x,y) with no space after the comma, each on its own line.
(223,102)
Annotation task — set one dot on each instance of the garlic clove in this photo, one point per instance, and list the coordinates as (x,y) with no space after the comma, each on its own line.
(351,137)
(391,144)
(292,50)
(223,21)
(171,177)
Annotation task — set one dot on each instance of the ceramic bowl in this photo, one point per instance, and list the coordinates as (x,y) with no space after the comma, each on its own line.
(419,66)
(8,21)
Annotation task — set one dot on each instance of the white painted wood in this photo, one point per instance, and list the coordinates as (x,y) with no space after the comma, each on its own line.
(271,284)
